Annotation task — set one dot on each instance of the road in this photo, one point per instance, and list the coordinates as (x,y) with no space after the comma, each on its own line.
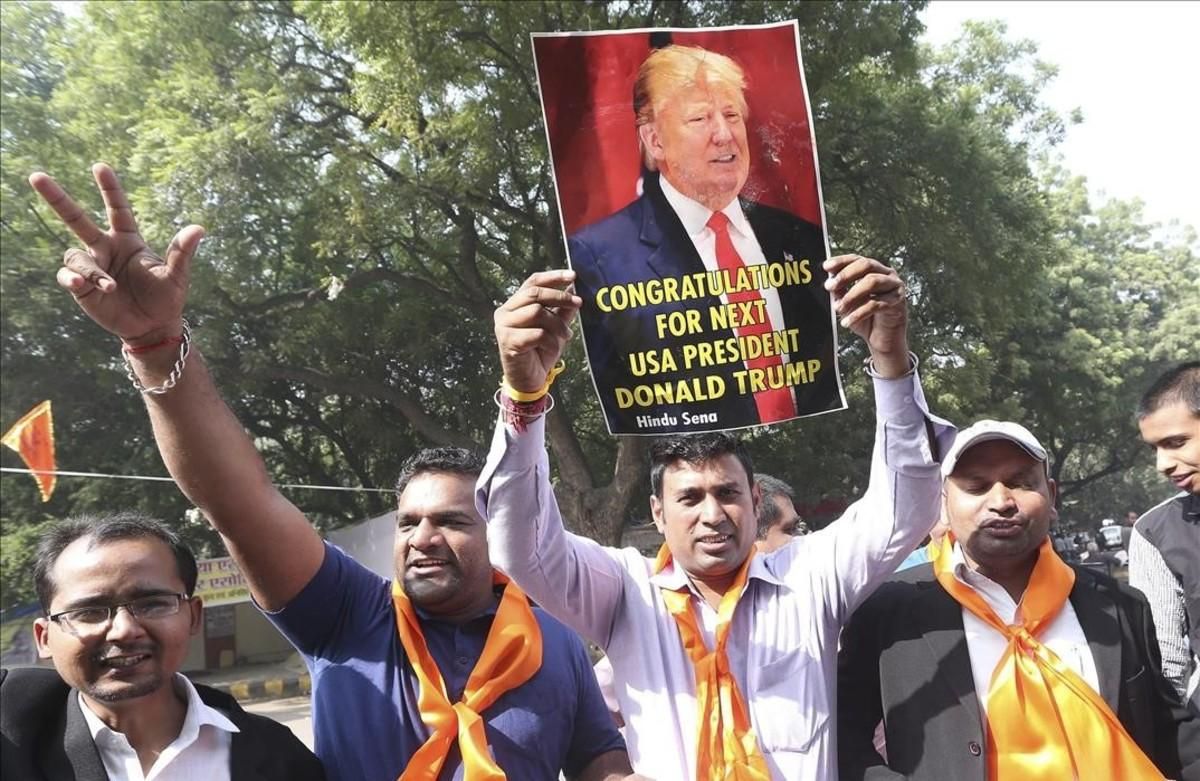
(295,712)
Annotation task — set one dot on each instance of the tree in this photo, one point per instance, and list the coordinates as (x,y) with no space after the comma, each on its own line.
(374,183)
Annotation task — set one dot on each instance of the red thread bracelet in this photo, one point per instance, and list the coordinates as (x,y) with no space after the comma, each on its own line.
(145,348)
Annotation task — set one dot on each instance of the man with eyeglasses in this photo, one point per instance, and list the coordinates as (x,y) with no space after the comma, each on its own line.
(119,614)
(778,521)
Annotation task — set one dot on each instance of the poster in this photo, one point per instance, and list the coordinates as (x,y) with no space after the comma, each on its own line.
(686,175)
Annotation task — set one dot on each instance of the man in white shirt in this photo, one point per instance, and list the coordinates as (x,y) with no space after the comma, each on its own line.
(691,228)
(723,660)
(998,660)
(119,615)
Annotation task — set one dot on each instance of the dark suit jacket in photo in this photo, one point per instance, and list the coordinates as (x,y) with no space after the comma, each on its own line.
(646,240)
(904,660)
(44,737)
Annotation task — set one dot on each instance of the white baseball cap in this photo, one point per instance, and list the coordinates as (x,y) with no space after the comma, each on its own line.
(986,431)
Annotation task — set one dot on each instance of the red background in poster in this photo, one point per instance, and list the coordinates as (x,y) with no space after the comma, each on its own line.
(587,92)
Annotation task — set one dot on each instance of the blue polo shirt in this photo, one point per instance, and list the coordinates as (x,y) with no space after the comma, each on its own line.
(365,717)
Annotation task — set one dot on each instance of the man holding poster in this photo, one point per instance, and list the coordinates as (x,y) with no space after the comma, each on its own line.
(724,660)
(703,309)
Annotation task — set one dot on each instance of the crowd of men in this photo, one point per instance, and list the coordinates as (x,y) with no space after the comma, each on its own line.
(743,650)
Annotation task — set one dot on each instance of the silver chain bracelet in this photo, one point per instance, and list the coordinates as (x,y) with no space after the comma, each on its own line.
(185,348)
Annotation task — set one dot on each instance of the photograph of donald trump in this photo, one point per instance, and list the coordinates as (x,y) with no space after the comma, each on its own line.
(696,219)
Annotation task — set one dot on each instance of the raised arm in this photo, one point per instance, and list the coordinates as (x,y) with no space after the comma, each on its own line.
(139,297)
(849,558)
(571,577)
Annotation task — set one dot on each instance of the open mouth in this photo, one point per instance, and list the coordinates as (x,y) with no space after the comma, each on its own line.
(428,566)
(723,159)
(714,541)
(122,661)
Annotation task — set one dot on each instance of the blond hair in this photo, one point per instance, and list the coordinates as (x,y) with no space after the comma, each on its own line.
(672,68)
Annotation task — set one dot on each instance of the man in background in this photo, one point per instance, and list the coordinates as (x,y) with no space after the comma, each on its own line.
(778,521)
(1164,550)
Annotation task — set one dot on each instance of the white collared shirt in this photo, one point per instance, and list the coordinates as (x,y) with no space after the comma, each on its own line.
(782,645)
(695,215)
(199,753)
(1063,635)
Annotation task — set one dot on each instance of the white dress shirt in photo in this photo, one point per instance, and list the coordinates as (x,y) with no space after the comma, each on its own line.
(695,216)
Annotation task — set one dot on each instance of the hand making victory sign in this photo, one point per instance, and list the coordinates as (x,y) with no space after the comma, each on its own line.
(119,281)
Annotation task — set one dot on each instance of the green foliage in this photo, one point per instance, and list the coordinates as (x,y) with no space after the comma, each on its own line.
(374,181)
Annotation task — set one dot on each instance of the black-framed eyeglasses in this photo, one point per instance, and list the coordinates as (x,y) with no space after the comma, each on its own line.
(92,619)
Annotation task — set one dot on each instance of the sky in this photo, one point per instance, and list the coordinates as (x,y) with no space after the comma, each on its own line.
(1133,69)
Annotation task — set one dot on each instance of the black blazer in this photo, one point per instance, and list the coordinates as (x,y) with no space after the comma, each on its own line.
(43,735)
(904,660)
(646,240)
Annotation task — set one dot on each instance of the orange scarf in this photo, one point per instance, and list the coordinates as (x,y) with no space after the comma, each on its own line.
(1045,723)
(511,656)
(726,748)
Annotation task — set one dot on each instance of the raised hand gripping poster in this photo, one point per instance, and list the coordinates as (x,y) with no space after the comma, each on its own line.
(686,173)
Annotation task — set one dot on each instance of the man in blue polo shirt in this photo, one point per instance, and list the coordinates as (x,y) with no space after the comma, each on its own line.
(449,675)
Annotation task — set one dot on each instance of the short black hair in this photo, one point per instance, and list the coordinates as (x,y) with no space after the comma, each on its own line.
(455,460)
(101,529)
(695,449)
(1179,384)
(768,512)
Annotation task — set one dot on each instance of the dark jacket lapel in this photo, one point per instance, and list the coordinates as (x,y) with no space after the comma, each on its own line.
(947,640)
(246,755)
(80,753)
(1101,626)
(674,254)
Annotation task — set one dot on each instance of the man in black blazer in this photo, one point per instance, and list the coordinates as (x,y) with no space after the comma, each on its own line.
(690,112)
(43,735)
(119,614)
(915,665)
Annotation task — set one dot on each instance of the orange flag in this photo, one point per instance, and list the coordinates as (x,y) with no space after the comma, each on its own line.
(33,438)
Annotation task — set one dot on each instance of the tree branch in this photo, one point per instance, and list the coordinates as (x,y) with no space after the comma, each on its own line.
(353,387)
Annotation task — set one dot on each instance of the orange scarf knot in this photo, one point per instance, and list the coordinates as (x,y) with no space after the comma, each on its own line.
(512,654)
(726,747)
(1044,722)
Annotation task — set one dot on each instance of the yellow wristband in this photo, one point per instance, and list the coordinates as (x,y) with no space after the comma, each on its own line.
(527,396)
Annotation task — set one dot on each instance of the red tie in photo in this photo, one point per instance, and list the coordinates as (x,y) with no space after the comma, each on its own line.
(773,404)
